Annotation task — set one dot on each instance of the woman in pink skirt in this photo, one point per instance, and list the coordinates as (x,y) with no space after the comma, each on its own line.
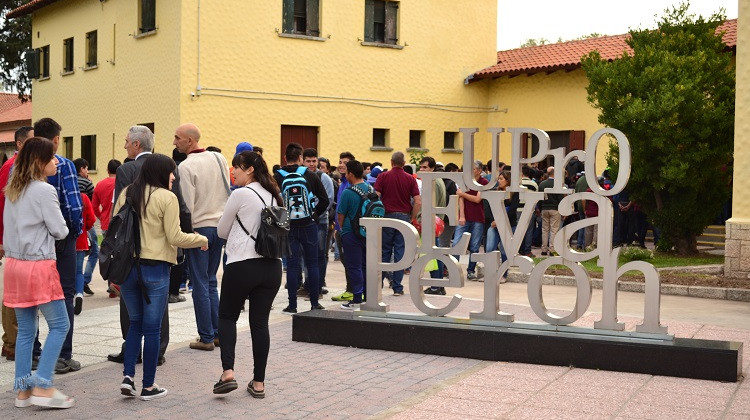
(33,221)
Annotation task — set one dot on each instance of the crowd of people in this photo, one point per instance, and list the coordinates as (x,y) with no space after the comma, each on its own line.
(196,212)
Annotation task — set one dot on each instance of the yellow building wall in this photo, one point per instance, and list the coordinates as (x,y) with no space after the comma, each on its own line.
(136,80)
(550,102)
(741,192)
(250,76)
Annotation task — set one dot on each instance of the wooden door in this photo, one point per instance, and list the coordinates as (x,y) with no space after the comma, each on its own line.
(307,136)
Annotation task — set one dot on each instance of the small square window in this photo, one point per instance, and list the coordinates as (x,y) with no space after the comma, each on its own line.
(91,49)
(381,21)
(379,137)
(88,150)
(68,147)
(416,139)
(449,139)
(301,17)
(68,55)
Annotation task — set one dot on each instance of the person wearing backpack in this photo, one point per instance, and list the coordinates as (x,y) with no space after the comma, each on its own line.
(298,186)
(248,275)
(348,211)
(146,287)
(33,221)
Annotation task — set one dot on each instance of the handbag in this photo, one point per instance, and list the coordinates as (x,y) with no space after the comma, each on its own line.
(272,239)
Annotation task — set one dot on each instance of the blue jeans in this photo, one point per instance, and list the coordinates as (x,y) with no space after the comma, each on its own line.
(322,254)
(80,256)
(93,257)
(145,318)
(203,266)
(66,266)
(475,228)
(56,316)
(526,246)
(393,247)
(581,238)
(355,263)
(303,243)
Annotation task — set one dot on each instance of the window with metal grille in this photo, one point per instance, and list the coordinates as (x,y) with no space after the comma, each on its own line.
(68,55)
(147,16)
(88,150)
(381,21)
(91,49)
(379,137)
(415,139)
(301,17)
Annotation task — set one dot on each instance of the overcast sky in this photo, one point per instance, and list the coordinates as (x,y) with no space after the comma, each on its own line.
(519,20)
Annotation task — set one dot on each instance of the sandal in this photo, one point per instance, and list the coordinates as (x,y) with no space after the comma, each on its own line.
(225,387)
(23,403)
(57,400)
(254,393)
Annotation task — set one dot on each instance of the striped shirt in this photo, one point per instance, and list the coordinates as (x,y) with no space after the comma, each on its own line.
(86,187)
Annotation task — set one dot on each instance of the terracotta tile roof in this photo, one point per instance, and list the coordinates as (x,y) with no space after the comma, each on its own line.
(8,101)
(567,55)
(29,7)
(19,113)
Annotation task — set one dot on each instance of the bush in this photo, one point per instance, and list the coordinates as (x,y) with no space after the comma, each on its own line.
(634,253)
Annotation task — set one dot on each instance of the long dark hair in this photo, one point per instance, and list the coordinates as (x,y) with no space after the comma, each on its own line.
(154,172)
(247,159)
(29,166)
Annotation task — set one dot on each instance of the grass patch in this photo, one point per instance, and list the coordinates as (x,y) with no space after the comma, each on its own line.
(659,260)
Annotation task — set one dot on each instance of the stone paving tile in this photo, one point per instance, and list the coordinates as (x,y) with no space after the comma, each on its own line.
(635,409)
(456,406)
(736,416)
(296,384)
(741,403)
(534,412)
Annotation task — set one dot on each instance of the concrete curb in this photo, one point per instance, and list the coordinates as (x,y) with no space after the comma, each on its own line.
(740,295)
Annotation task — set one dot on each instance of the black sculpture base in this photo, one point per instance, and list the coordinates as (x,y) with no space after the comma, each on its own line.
(681,357)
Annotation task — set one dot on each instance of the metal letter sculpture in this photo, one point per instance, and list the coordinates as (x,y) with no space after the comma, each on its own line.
(417,257)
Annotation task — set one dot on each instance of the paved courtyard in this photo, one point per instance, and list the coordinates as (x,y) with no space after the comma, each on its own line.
(320,381)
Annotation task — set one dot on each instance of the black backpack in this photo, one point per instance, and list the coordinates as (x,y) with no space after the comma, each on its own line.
(121,246)
(272,240)
(369,206)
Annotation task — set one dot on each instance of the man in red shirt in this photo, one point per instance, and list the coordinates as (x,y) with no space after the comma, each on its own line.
(471,217)
(103,194)
(397,189)
(10,325)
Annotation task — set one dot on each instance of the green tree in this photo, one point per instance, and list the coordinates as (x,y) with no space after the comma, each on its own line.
(15,38)
(674,100)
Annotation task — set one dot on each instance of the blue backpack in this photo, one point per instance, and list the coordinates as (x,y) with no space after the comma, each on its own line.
(296,194)
(369,206)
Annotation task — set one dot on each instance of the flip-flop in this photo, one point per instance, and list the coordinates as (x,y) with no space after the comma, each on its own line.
(57,400)
(254,393)
(23,403)
(224,387)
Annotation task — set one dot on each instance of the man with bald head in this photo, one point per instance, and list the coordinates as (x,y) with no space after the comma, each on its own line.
(205,187)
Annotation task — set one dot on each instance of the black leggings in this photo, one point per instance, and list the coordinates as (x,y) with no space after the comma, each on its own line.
(257,280)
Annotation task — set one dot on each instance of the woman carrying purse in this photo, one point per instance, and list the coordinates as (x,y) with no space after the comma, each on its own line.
(248,275)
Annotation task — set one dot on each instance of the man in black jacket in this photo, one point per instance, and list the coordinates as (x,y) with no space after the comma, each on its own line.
(294,180)
(139,143)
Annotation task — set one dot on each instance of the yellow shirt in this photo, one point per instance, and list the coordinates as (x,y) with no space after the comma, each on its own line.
(160,228)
